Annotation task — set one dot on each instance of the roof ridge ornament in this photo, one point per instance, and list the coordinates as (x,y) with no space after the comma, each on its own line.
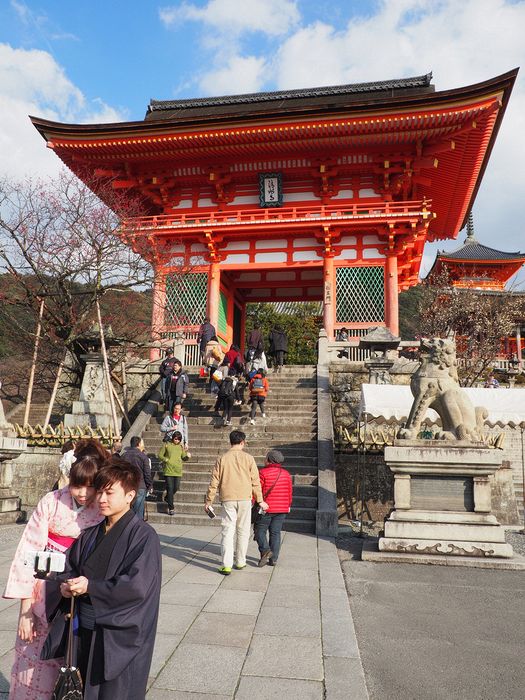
(470,229)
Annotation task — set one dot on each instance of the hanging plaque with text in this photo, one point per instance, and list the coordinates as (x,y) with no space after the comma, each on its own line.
(270,189)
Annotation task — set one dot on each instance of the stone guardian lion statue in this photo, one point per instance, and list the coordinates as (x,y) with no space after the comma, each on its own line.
(435,385)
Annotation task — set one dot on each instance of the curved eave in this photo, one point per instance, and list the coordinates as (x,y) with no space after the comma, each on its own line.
(372,121)
(50,129)
(520,259)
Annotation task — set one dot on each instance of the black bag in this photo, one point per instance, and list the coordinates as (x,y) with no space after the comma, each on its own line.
(68,685)
(255,508)
(226,388)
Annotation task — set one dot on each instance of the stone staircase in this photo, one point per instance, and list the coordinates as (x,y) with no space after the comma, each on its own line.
(290,426)
(37,414)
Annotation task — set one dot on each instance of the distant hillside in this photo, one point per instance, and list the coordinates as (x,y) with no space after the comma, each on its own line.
(128,313)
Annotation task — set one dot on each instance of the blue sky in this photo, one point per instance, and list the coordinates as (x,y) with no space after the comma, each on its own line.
(102,60)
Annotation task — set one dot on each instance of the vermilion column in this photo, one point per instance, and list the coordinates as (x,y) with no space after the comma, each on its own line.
(329,297)
(391,294)
(157,313)
(214,286)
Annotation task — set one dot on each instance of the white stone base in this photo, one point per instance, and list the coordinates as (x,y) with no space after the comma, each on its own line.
(444,531)
(457,548)
(94,420)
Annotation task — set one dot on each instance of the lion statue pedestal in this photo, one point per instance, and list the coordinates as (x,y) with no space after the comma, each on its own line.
(442,494)
(442,500)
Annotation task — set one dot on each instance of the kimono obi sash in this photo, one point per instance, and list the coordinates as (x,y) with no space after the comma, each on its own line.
(59,542)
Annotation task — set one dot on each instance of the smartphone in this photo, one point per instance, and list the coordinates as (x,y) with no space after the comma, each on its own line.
(211,513)
(45,562)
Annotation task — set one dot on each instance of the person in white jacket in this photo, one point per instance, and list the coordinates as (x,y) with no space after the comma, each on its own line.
(173,422)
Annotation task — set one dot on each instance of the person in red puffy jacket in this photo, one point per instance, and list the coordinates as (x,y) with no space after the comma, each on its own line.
(276,485)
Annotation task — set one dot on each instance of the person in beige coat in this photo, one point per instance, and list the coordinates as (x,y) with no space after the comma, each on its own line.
(236,477)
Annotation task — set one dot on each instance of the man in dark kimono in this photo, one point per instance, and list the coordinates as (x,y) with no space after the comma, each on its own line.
(115,571)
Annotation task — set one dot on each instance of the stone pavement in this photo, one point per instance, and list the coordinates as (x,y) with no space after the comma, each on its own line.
(258,633)
(437,632)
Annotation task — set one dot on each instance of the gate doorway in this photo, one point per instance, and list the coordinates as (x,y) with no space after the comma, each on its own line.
(300,320)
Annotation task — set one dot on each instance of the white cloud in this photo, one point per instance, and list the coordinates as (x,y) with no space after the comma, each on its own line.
(32,82)
(462,43)
(239,74)
(272,17)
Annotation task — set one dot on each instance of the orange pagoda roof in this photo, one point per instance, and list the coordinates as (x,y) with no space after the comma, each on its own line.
(446,137)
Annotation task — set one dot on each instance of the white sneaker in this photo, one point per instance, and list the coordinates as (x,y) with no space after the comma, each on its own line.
(252,422)
(264,415)
(228,422)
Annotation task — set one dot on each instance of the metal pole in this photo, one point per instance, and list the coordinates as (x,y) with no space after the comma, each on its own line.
(54,392)
(106,370)
(364,477)
(33,363)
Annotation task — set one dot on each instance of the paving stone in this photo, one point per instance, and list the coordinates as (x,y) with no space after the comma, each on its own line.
(202,668)
(175,619)
(235,601)
(165,645)
(9,617)
(344,679)
(295,577)
(6,664)
(338,633)
(244,581)
(264,688)
(333,598)
(223,629)
(193,594)
(286,597)
(163,694)
(293,561)
(199,574)
(287,657)
(289,622)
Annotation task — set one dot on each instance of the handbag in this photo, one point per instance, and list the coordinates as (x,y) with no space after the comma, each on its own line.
(68,685)
(255,507)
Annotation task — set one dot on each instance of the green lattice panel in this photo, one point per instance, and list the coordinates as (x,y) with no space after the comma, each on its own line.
(223,315)
(360,296)
(186,299)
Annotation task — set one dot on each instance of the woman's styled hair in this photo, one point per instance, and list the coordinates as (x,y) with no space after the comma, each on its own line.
(67,447)
(90,447)
(118,471)
(83,471)
(177,435)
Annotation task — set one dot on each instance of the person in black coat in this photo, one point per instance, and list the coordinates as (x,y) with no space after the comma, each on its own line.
(278,347)
(205,334)
(114,570)
(136,454)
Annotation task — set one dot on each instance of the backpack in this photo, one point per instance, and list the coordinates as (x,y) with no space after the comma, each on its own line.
(257,385)
(226,388)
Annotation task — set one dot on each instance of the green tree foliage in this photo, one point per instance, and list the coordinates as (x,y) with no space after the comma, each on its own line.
(302,328)
(409,316)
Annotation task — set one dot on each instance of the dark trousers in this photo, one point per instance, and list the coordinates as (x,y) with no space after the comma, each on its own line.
(171,400)
(254,400)
(278,357)
(138,504)
(172,486)
(272,522)
(225,404)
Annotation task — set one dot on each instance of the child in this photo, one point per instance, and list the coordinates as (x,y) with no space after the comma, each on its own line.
(226,398)
(258,392)
(172,455)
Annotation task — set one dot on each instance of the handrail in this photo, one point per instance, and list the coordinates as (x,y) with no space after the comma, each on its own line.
(361,210)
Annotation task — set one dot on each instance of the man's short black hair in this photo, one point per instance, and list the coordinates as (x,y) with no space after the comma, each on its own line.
(236,437)
(135,441)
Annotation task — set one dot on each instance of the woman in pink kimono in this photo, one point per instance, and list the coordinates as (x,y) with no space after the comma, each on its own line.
(55,524)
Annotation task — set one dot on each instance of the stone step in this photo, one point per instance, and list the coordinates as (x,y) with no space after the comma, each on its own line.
(198,481)
(193,497)
(197,508)
(290,524)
